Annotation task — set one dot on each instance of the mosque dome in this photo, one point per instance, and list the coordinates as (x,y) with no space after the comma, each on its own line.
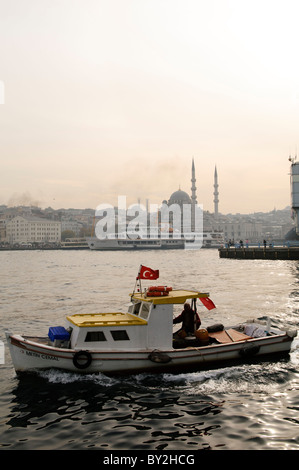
(179,197)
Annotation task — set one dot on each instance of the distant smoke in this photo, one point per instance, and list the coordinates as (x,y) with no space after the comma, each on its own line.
(154,180)
(24,199)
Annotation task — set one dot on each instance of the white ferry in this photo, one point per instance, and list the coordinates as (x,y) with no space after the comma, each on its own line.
(213,239)
(127,243)
(142,339)
(74,244)
(209,239)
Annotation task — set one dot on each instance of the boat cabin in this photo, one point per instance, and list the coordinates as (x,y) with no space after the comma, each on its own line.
(148,324)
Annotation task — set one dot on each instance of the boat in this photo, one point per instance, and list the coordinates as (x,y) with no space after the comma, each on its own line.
(128,243)
(213,239)
(160,241)
(143,339)
(74,244)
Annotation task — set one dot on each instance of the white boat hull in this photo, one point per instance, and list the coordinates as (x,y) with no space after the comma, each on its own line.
(28,355)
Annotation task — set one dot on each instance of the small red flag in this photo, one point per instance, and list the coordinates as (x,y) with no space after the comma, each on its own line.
(147,273)
(208,303)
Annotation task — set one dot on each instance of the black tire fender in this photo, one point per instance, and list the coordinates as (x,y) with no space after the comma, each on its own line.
(249,351)
(158,356)
(82,359)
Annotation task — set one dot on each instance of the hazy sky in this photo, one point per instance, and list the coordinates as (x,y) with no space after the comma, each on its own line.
(115,97)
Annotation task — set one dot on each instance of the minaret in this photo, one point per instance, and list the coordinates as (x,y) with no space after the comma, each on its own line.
(193,197)
(193,187)
(216,193)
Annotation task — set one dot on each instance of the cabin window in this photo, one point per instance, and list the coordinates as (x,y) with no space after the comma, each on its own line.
(92,336)
(144,311)
(134,308)
(120,335)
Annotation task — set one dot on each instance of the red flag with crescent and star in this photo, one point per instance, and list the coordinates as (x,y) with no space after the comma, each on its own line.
(147,273)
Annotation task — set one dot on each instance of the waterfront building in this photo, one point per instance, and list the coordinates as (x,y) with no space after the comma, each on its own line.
(71,225)
(236,231)
(32,229)
(2,229)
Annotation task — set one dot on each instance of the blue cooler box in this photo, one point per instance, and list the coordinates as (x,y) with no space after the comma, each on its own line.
(58,333)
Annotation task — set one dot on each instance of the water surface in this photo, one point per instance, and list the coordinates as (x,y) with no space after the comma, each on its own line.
(244,407)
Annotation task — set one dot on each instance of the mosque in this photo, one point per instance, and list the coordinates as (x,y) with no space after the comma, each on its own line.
(211,223)
(181,197)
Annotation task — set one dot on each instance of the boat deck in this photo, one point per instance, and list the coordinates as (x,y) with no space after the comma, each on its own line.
(38,339)
(224,336)
(229,336)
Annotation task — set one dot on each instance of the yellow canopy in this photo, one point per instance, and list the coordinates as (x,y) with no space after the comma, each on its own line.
(105,319)
(174,297)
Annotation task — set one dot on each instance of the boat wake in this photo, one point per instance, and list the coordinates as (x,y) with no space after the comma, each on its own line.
(64,377)
(265,377)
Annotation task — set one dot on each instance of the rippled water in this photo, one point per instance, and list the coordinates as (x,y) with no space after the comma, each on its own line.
(248,407)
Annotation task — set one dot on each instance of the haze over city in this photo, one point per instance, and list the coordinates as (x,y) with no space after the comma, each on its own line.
(115,97)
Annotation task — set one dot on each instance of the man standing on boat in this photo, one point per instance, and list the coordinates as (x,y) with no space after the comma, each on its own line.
(189,319)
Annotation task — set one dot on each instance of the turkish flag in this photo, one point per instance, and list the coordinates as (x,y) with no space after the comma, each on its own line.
(207,303)
(147,273)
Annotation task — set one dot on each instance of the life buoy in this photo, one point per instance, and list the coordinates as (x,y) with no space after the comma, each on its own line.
(82,359)
(159,289)
(157,294)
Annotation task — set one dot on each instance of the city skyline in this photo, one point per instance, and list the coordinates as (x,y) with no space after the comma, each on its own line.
(107,98)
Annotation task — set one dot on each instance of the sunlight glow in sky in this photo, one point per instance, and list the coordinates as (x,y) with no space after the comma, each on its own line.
(115,97)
